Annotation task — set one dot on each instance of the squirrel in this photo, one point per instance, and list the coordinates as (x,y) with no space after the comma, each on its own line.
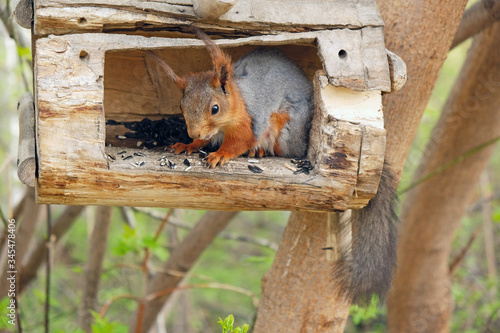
(366,269)
(262,104)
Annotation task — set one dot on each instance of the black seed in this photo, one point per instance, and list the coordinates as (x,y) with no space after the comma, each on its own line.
(140,154)
(128,157)
(122,152)
(255,169)
(299,171)
(186,162)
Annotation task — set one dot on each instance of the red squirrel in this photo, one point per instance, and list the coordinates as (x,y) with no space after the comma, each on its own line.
(262,104)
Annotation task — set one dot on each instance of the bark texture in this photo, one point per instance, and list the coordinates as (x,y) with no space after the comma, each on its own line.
(420,32)
(421,300)
(298,295)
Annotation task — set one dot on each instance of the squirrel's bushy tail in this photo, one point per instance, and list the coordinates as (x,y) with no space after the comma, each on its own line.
(366,269)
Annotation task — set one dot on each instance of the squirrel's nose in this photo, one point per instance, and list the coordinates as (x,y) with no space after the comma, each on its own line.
(193,134)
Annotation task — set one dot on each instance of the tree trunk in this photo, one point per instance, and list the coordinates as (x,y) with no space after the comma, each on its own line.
(421,300)
(420,33)
(297,290)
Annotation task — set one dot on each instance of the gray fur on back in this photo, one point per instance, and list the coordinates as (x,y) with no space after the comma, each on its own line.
(270,82)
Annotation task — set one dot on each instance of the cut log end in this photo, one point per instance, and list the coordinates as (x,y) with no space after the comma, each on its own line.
(212,9)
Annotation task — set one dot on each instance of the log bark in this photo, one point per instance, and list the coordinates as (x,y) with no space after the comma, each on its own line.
(181,260)
(424,51)
(421,300)
(92,276)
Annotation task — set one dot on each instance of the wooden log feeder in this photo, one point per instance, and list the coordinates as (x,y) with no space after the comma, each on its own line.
(94,86)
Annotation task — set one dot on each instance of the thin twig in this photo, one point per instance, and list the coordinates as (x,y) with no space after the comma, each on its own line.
(47,266)
(163,223)
(108,303)
(226,235)
(448,165)
(145,271)
(455,263)
(255,299)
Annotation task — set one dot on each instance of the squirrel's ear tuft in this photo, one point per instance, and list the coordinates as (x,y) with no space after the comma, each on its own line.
(220,78)
(222,62)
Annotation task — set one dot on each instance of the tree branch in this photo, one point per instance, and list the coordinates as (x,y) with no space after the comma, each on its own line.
(181,260)
(35,257)
(25,230)
(478,17)
(179,224)
(92,276)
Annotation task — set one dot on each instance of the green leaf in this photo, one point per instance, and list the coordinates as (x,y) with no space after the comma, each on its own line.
(24,52)
(245,328)
(229,321)
(496,216)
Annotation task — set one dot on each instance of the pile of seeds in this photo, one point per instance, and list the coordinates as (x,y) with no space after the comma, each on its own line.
(302,165)
(155,133)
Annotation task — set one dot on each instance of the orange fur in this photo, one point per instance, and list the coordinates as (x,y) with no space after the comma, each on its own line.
(278,121)
(233,119)
(238,134)
(269,139)
(189,148)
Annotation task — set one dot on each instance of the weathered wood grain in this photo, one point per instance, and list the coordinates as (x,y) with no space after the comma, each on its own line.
(348,128)
(355,59)
(135,87)
(73,160)
(160,17)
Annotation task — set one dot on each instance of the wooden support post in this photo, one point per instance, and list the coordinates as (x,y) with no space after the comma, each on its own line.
(26,162)
(300,279)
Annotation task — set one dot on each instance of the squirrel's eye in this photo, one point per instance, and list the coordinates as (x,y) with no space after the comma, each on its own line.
(215,109)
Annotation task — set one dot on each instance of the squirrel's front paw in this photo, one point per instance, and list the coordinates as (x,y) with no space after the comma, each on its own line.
(218,158)
(188,148)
